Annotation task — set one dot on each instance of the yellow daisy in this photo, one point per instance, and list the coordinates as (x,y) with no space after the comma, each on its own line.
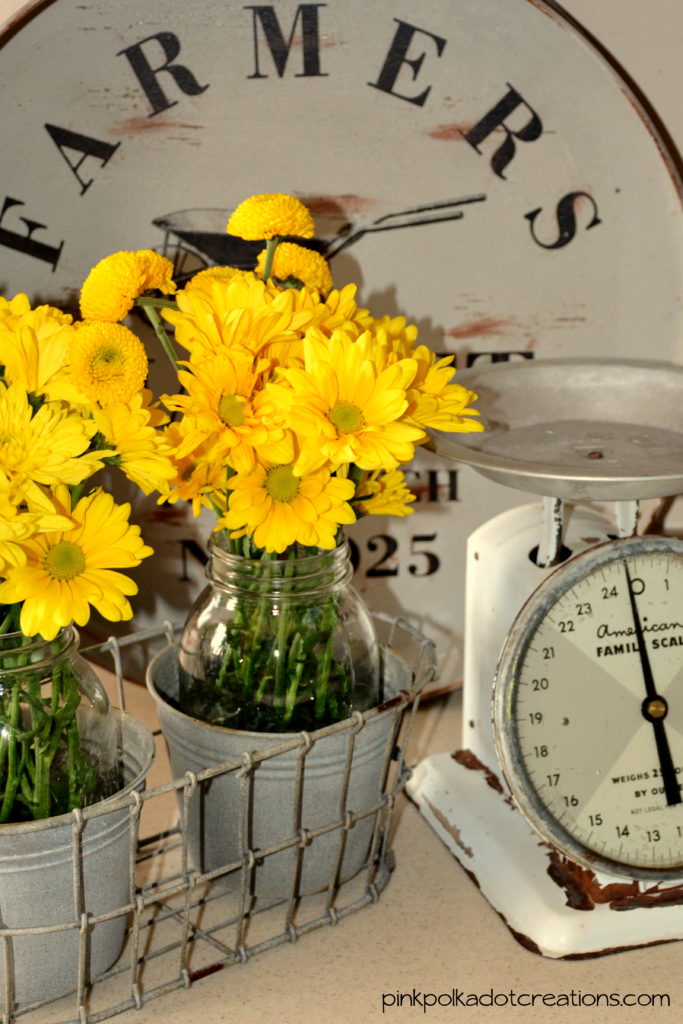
(15,307)
(108,362)
(34,350)
(270,215)
(19,521)
(141,452)
(200,476)
(435,401)
(13,312)
(239,312)
(279,507)
(296,265)
(337,310)
(225,402)
(345,409)
(383,494)
(67,571)
(48,446)
(113,285)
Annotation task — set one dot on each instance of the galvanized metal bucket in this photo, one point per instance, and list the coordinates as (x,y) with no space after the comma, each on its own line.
(293,814)
(60,877)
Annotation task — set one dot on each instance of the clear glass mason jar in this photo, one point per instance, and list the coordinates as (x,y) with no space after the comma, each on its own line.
(278,644)
(58,747)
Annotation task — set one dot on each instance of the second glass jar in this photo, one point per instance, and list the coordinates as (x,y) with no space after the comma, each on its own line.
(278,644)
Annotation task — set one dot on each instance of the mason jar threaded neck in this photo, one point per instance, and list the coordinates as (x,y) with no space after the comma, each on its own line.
(293,572)
(17,651)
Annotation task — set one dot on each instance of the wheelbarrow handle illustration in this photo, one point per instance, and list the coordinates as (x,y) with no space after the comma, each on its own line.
(202,233)
(414,216)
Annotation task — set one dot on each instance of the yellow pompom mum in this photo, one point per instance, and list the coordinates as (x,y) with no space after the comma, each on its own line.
(269,215)
(204,280)
(303,265)
(108,362)
(111,287)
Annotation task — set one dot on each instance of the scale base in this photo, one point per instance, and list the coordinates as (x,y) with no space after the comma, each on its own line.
(552,906)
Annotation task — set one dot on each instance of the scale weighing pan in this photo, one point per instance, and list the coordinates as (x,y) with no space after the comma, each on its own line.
(576,428)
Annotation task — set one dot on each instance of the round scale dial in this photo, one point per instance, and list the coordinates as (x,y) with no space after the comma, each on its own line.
(588,708)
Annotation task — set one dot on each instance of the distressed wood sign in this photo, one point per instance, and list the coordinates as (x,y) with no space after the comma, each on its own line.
(476,166)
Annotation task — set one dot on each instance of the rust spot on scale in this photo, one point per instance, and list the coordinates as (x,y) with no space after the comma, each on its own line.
(452,830)
(584,892)
(469,760)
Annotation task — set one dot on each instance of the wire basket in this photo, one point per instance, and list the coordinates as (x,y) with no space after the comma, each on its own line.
(183,924)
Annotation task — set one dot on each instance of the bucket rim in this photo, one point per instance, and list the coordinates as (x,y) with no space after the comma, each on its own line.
(397,701)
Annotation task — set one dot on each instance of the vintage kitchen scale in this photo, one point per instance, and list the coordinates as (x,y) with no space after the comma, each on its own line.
(579,620)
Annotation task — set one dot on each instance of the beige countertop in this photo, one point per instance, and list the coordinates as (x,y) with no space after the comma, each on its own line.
(430,937)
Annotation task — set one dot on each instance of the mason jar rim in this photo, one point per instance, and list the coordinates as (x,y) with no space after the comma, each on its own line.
(311,569)
(66,640)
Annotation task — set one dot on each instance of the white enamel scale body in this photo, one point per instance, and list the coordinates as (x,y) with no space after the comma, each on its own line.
(562,798)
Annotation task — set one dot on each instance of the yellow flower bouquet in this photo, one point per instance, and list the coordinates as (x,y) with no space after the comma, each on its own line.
(72,400)
(295,409)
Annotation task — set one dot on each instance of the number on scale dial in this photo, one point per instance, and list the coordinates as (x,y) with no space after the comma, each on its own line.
(589,708)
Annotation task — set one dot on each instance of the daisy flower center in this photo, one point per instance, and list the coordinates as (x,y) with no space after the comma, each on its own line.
(231,410)
(64,560)
(347,418)
(106,364)
(282,484)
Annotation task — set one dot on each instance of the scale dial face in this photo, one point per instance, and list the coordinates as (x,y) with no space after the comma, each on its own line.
(588,708)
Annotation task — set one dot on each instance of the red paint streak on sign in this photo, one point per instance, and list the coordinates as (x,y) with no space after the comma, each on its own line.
(144,125)
(475,328)
(449,132)
(345,203)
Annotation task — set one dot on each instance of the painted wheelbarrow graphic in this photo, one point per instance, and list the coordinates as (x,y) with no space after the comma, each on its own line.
(197,238)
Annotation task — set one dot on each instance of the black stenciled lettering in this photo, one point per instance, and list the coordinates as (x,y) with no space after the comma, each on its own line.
(64,139)
(25,242)
(566,219)
(147,75)
(387,547)
(266,17)
(428,562)
(436,481)
(495,119)
(441,484)
(498,357)
(398,56)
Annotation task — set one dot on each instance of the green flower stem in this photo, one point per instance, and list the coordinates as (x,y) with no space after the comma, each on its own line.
(323,675)
(150,307)
(271,246)
(283,630)
(34,730)
(12,779)
(296,663)
(355,474)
